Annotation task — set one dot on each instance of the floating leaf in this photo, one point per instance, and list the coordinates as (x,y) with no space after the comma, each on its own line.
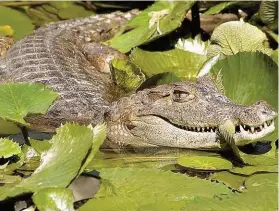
(183,64)
(248,77)
(249,170)
(130,189)
(236,36)
(99,132)
(57,168)
(19,100)
(219,7)
(8,148)
(8,127)
(141,30)
(126,74)
(20,23)
(40,146)
(74,11)
(231,180)
(54,199)
(204,162)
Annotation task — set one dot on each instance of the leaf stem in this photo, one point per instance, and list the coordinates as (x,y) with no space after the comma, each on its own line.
(25,135)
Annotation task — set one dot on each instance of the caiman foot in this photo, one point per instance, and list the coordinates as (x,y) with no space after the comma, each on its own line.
(5,44)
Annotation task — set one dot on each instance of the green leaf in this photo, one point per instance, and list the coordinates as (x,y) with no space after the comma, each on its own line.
(248,77)
(99,132)
(130,189)
(262,194)
(236,36)
(54,199)
(40,146)
(8,127)
(142,31)
(20,99)
(183,64)
(126,74)
(8,148)
(219,7)
(74,11)
(274,56)
(60,164)
(204,162)
(20,23)
(249,170)
(231,180)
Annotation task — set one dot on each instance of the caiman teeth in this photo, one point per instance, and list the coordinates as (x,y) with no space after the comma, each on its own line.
(197,129)
(254,129)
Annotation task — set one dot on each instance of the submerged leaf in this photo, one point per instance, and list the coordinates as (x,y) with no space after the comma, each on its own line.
(20,99)
(236,36)
(183,64)
(54,199)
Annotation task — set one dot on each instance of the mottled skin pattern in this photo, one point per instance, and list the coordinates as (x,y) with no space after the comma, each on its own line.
(66,56)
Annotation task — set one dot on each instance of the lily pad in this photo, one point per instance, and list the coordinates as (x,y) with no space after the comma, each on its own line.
(248,77)
(8,148)
(183,64)
(236,36)
(157,20)
(261,194)
(249,170)
(204,162)
(57,168)
(74,11)
(130,189)
(20,23)
(54,199)
(231,180)
(20,99)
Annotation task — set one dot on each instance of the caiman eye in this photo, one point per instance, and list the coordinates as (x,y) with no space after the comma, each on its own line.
(181,96)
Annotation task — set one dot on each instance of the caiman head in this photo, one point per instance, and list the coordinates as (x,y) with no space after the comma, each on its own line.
(185,115)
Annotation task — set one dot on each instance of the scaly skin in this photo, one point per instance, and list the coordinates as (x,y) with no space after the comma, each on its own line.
(185,115)
(67,57)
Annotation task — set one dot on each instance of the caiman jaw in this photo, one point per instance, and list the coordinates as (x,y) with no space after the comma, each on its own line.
(242,132)
(246,132)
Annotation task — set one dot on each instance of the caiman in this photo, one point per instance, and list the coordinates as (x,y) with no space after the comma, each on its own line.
(68,57)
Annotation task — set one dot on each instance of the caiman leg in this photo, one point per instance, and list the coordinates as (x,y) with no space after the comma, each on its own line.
(5,44)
